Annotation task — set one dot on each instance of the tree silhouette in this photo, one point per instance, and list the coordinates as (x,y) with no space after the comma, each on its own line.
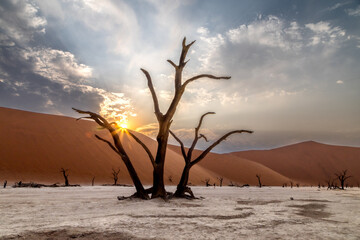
(342,177)
(93,181)
(259,180)
(115,174)
(165,119)
(117,147)
(164,123)
(221,179)
(182,187)
(65,175)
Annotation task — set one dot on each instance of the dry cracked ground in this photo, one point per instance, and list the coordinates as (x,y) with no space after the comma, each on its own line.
(221,213)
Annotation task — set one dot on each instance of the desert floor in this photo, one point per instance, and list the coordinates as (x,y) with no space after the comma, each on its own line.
(222,213)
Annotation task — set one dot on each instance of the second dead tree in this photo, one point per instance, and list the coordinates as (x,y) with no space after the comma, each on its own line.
(221,179)
(182,187)
(259,180)
(342,178)
(115,175)
(66,175)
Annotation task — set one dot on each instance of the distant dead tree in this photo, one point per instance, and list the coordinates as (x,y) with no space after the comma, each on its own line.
(5,183)
(330,183)
(182,187)
(342,177)
(207,182)
(115,174)
(65,175)
(259,179)
(170,179)
(298,185)
(93,181)
(221,179)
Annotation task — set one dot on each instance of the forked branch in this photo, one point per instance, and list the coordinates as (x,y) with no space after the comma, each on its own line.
(147,150)
(108,142)
(180,142)
(204,153)
(153,94)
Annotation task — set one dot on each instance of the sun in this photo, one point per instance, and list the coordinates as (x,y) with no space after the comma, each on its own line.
(123,125)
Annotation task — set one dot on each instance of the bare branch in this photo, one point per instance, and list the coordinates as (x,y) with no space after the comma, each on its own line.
(203,76)
(109,143)
(153,94)
(173,64)
(144,147)
(204,153)
(181,144)
(96,117)
(203,136)
(196,138)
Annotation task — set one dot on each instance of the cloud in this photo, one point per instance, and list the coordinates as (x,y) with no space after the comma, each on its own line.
(19,22)
(271,31)
(57,65)
(354,12)
(340,82)
(325,34)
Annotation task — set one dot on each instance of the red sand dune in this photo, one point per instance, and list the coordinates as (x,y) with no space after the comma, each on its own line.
(309,162)
(238,170)
(33,147)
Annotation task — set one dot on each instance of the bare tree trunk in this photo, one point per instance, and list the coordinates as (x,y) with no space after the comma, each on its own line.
(259,180)
(342,178)
(93,181)
(118,148)
(165,120)
(182,187)
(63,171)
(5,183)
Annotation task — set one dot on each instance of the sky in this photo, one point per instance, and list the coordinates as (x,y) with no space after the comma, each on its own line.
(294,65)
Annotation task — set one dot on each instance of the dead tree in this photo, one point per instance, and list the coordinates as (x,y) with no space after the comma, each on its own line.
(342,177)
(182,187)
(117,147)
(93,181)
(291,184)
(221,179)
(170,179)
(207,182)
(330,183)
(115,174)
(66,175)
(5,183)
(259,180)
(165,119)
(164,122)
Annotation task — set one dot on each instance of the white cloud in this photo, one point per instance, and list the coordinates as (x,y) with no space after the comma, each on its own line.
(20,21)
(268,32)
(354,12)
(57,65)
(325,34)
(340,82)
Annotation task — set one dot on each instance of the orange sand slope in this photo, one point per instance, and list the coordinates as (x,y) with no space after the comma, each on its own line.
(309,162)
(238,170)
(33,147)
